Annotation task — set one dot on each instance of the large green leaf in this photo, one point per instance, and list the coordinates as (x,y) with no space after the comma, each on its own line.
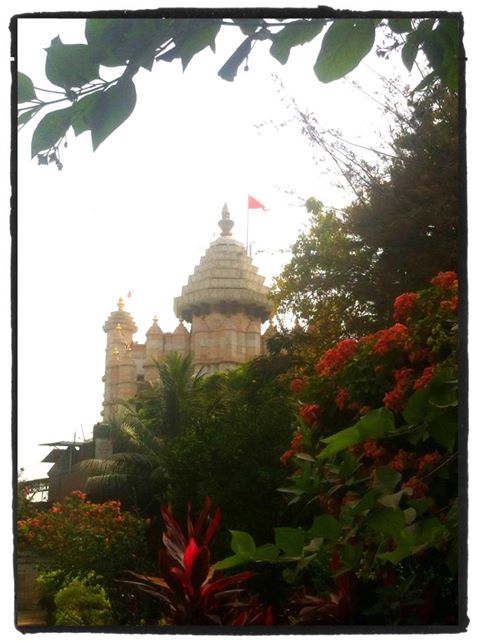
(248,26)
(70,65)
(374,425)
(430,532)
(413,41)
(403,550)
(441,46)
(243,544)
(344,45)
(229,562)
(444,429)
(325,526)
(386,479)
(266,553)
(421,505)
(25,116)
(340,441)
(410,51)
(107,40)
(230,68)
(416,407)
(51,129)
(293,34)
(388,521)
(290,540)
(82,111)
(443,394)
(400,25)
(111,109)
(367,502)
(202,34)
(25,89)
(391,500)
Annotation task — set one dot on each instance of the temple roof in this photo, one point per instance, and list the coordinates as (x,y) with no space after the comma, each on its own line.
(225,275)
(120,318)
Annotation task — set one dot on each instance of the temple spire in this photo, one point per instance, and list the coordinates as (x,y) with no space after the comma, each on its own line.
(226,223)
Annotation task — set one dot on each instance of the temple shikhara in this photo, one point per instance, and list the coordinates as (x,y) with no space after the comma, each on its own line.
(225,302)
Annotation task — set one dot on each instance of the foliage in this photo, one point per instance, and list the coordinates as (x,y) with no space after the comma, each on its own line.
(189,590)
(82,602)
(231,454)
(186,437)
(325,284)
(77,536)
(161,411)
(346,268)
(132,44)
(374,484)
(409,224)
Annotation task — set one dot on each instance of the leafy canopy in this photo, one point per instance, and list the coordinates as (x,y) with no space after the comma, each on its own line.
(399,230)
(131,44)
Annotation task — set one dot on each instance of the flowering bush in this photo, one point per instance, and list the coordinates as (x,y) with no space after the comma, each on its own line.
(78,536)
(374,481)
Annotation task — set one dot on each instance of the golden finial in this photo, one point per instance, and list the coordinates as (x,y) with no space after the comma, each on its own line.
(121,304)
(155,320)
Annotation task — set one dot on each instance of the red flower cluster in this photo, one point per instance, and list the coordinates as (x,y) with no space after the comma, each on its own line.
(425,378)
(341,398)
(450,305)
(297,385)
(387,340)
(296,446)
(395,399)
(401,461)
(332,360)
(80,494)
(309,413)
(430,459)
(418,487)
(372,450)
(404,305)
(445,280)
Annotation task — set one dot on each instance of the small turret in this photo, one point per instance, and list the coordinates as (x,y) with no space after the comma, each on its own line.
(120,369)
(154,350)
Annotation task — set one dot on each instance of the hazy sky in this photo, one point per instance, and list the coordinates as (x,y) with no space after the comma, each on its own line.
(137,214)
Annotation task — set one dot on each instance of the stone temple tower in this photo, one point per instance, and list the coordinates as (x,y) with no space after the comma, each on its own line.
(225,302)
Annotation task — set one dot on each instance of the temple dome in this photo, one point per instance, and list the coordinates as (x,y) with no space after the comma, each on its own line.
(225,278)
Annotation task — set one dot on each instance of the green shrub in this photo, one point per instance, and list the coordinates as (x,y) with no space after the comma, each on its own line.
(83,603)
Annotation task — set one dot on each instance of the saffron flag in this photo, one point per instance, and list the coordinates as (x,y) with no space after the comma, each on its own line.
(253,204)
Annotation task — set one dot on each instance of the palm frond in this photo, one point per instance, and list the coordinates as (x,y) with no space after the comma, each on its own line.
(108,486)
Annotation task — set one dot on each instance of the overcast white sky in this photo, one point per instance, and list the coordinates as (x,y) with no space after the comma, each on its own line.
(138,214)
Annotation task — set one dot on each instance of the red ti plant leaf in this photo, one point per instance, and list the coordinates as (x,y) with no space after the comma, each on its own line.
(213,526)
(190,590)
